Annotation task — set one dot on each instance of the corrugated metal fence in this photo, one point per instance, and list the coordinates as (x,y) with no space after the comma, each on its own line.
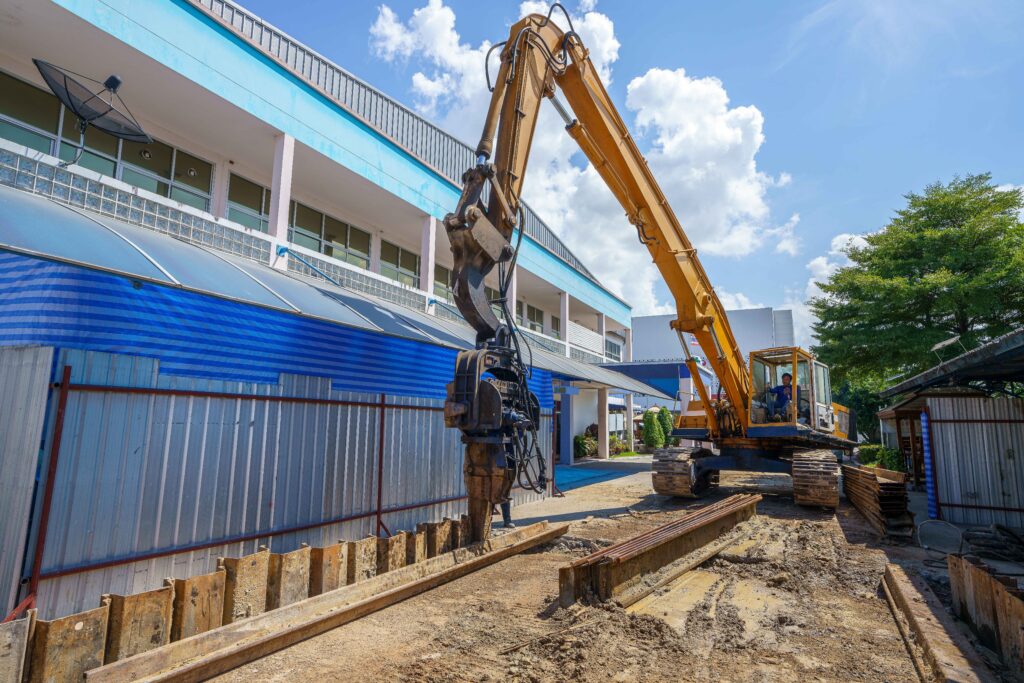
(159,475)
(976,450)
(24,372)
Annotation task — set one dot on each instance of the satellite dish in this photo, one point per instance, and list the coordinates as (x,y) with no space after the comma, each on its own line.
(94,103)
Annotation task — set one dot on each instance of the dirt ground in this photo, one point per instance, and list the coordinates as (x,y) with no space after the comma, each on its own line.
(796,599)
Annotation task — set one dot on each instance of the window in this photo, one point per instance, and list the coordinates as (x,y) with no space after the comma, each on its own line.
(399,264)
(612,350)
(534,318)
(30,115)
(316,230)
(556,327)
(35,118)
(346,242)
(248,203)
(519,313)
(443,283)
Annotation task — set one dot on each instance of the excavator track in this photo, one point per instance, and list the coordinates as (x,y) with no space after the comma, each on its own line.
(816,479)
(675,473)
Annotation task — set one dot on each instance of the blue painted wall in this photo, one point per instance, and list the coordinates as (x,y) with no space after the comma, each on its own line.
(183,39)
(197,335)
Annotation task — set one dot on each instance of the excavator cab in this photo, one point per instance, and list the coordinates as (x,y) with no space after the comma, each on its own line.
(791,391)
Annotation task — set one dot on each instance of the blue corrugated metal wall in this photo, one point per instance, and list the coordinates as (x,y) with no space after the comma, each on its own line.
(198,335)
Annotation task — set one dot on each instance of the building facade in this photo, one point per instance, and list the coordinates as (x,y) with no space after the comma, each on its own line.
(246,325)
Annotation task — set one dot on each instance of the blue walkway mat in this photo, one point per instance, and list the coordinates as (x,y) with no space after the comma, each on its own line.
(568,477)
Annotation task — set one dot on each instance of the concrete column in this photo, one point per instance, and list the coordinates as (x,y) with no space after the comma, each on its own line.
(281,186)
(513,293)
(566,456)
(375,252)
(627,350)
(428,253)
(221,178)
(602,423)
(629,422)
(563,313)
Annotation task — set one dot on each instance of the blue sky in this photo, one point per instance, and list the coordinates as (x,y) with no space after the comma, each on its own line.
(860,102)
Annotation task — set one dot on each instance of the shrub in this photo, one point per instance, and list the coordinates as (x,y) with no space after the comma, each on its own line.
(665,420)
(877,455)
(616,445)
(654,436)
(584,446)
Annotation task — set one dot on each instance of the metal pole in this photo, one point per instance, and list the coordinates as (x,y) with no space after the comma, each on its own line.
(380,466)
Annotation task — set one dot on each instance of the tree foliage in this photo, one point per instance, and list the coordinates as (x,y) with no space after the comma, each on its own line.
(949,263)
(654,437)
(665,420)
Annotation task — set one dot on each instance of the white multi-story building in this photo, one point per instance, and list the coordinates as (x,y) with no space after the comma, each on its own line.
(310,271)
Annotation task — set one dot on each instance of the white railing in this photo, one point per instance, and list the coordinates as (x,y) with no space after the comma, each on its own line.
(584,338)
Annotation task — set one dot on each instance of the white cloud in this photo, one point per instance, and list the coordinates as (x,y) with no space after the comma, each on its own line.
(702,150)
(736,301)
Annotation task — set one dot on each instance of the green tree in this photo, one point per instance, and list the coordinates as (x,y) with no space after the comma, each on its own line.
(860,393)
(950,263)
(654,437)
(665,420)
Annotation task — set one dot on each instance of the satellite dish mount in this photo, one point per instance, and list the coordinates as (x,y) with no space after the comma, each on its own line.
(93,103)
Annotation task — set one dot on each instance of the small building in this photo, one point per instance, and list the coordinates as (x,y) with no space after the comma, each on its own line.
(960,426)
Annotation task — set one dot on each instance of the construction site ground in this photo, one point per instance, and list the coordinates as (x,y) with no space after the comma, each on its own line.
(795,599)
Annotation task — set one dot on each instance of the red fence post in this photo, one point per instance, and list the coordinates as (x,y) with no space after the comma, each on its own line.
(380,468)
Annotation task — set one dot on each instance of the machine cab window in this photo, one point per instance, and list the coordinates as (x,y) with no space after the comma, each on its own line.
(783,389)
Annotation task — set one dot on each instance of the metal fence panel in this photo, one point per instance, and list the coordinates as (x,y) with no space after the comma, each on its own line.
(154,474)
(24,376)
(978,450)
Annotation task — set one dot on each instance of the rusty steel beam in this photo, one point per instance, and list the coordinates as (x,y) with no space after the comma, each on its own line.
(618,570)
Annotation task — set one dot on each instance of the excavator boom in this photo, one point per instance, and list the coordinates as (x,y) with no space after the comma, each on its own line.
(537,60)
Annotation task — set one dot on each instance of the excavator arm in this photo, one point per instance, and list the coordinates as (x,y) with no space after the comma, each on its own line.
(538,60)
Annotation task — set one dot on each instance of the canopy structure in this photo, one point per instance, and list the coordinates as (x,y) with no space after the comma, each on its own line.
(990,366)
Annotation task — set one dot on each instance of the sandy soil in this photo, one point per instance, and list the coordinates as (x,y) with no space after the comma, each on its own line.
(798,601)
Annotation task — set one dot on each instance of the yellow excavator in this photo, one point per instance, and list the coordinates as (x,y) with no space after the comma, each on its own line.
(773,412)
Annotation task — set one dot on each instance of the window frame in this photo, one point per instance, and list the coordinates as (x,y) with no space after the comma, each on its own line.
(397,269)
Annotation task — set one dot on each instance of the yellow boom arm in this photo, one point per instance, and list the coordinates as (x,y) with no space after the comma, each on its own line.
(537,57)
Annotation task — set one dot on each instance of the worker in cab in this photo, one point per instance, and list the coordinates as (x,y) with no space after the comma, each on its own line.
(783,397)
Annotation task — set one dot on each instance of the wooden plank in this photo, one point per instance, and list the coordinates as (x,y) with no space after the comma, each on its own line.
(415,547)
(14,639)
(288,578)
(198,604)
(391,552)
(245,587)
(328,568)
(465,530)
(949,654)
(210,654)
(64,649)
(139,622)
(1010,610)
(991,605)
(426,529)
(362,559)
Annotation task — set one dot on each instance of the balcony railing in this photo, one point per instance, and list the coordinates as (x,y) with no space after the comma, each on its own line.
(444,153)
(39,173)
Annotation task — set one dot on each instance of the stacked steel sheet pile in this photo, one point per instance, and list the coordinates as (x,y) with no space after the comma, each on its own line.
(881,496)
(616,570)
